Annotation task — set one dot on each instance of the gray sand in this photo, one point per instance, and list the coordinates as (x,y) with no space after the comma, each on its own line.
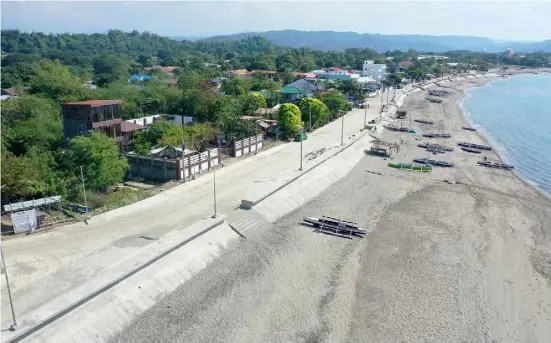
(464,262)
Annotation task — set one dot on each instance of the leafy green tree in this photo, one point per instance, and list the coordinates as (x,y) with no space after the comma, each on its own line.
(290,119)
(252,102)
(55,81)
(31,121)
(335,103)
(110,68)
(260,82)
(234,86)
(31,175)
(315,109)
(103,166)
(196,136)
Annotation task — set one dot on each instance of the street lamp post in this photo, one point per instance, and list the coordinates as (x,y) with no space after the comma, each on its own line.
(14,324)
(310,117)
(382,95)
(301,139)
(84,190)
(342,130)
(214,186)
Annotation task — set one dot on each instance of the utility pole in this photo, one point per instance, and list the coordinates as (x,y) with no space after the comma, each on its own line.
(14,324)
(382,95)
(301,139)
(214,184)
(184,154)
(84,190)
(365,114)
(387,94)
(310,117)
(342,129)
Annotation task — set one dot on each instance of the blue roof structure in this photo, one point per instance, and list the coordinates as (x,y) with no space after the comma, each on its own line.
(139,77)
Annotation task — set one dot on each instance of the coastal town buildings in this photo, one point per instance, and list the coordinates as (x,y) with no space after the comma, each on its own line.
(375,71)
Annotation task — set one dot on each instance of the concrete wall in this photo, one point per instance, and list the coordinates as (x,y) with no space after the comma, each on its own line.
(247,145)
(152,169)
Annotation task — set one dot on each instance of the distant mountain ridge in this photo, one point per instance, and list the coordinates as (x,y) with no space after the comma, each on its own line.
(340,41)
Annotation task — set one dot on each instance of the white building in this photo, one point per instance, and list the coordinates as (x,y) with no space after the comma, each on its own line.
(374,71)
(173,118)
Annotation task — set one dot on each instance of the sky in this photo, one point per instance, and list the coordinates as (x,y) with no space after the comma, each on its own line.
(503,20)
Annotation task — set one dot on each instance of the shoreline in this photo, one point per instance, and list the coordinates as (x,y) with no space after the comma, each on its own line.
(486,134)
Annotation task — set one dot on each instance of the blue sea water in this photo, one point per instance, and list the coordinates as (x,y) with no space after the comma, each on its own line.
(515,114)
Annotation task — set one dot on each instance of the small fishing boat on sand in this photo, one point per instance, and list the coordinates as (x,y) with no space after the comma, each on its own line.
(410,166)
(474,146)
(474,151)
(469,128)
(433,162)
(437,135)
(423,121)
(435,146)
(497,165)
(393,127)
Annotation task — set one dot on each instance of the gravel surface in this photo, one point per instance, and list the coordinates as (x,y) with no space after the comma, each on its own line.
(462,262)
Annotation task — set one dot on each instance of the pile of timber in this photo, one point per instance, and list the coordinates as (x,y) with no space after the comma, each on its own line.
(336,227)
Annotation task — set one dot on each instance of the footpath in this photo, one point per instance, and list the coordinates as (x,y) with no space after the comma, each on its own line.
(52,273)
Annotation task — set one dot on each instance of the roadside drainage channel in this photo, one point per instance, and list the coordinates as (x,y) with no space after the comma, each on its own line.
(21,336)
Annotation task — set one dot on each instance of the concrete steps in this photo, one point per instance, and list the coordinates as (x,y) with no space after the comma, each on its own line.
(246,220)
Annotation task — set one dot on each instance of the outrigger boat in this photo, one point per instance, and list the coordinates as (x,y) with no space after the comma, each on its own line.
(434,146)
(469,128)
(410,166)
(393,127)
(498,165)
(336,227)
(423,121)
(437,135)
(433,162)
(473,150)
(474,146)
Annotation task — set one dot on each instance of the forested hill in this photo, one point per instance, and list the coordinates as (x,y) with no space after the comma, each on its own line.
(340,41)
(77,49)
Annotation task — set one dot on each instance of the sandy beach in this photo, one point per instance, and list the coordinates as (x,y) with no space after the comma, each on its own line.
(461,261)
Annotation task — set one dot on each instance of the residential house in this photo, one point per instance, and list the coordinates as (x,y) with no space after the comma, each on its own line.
(241,72)
(173,118)
(298,89)
(436,57)
(6,93)
(375,71)
(170,71)
(97,115)
(217,82)
(399,67)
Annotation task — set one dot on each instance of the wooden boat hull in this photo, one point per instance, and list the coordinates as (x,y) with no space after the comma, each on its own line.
(410,166)
(428,122)
(474,151)
(497,165)
(474,146)
(433,162)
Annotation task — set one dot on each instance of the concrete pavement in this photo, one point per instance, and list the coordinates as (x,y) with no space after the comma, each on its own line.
(44,267)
